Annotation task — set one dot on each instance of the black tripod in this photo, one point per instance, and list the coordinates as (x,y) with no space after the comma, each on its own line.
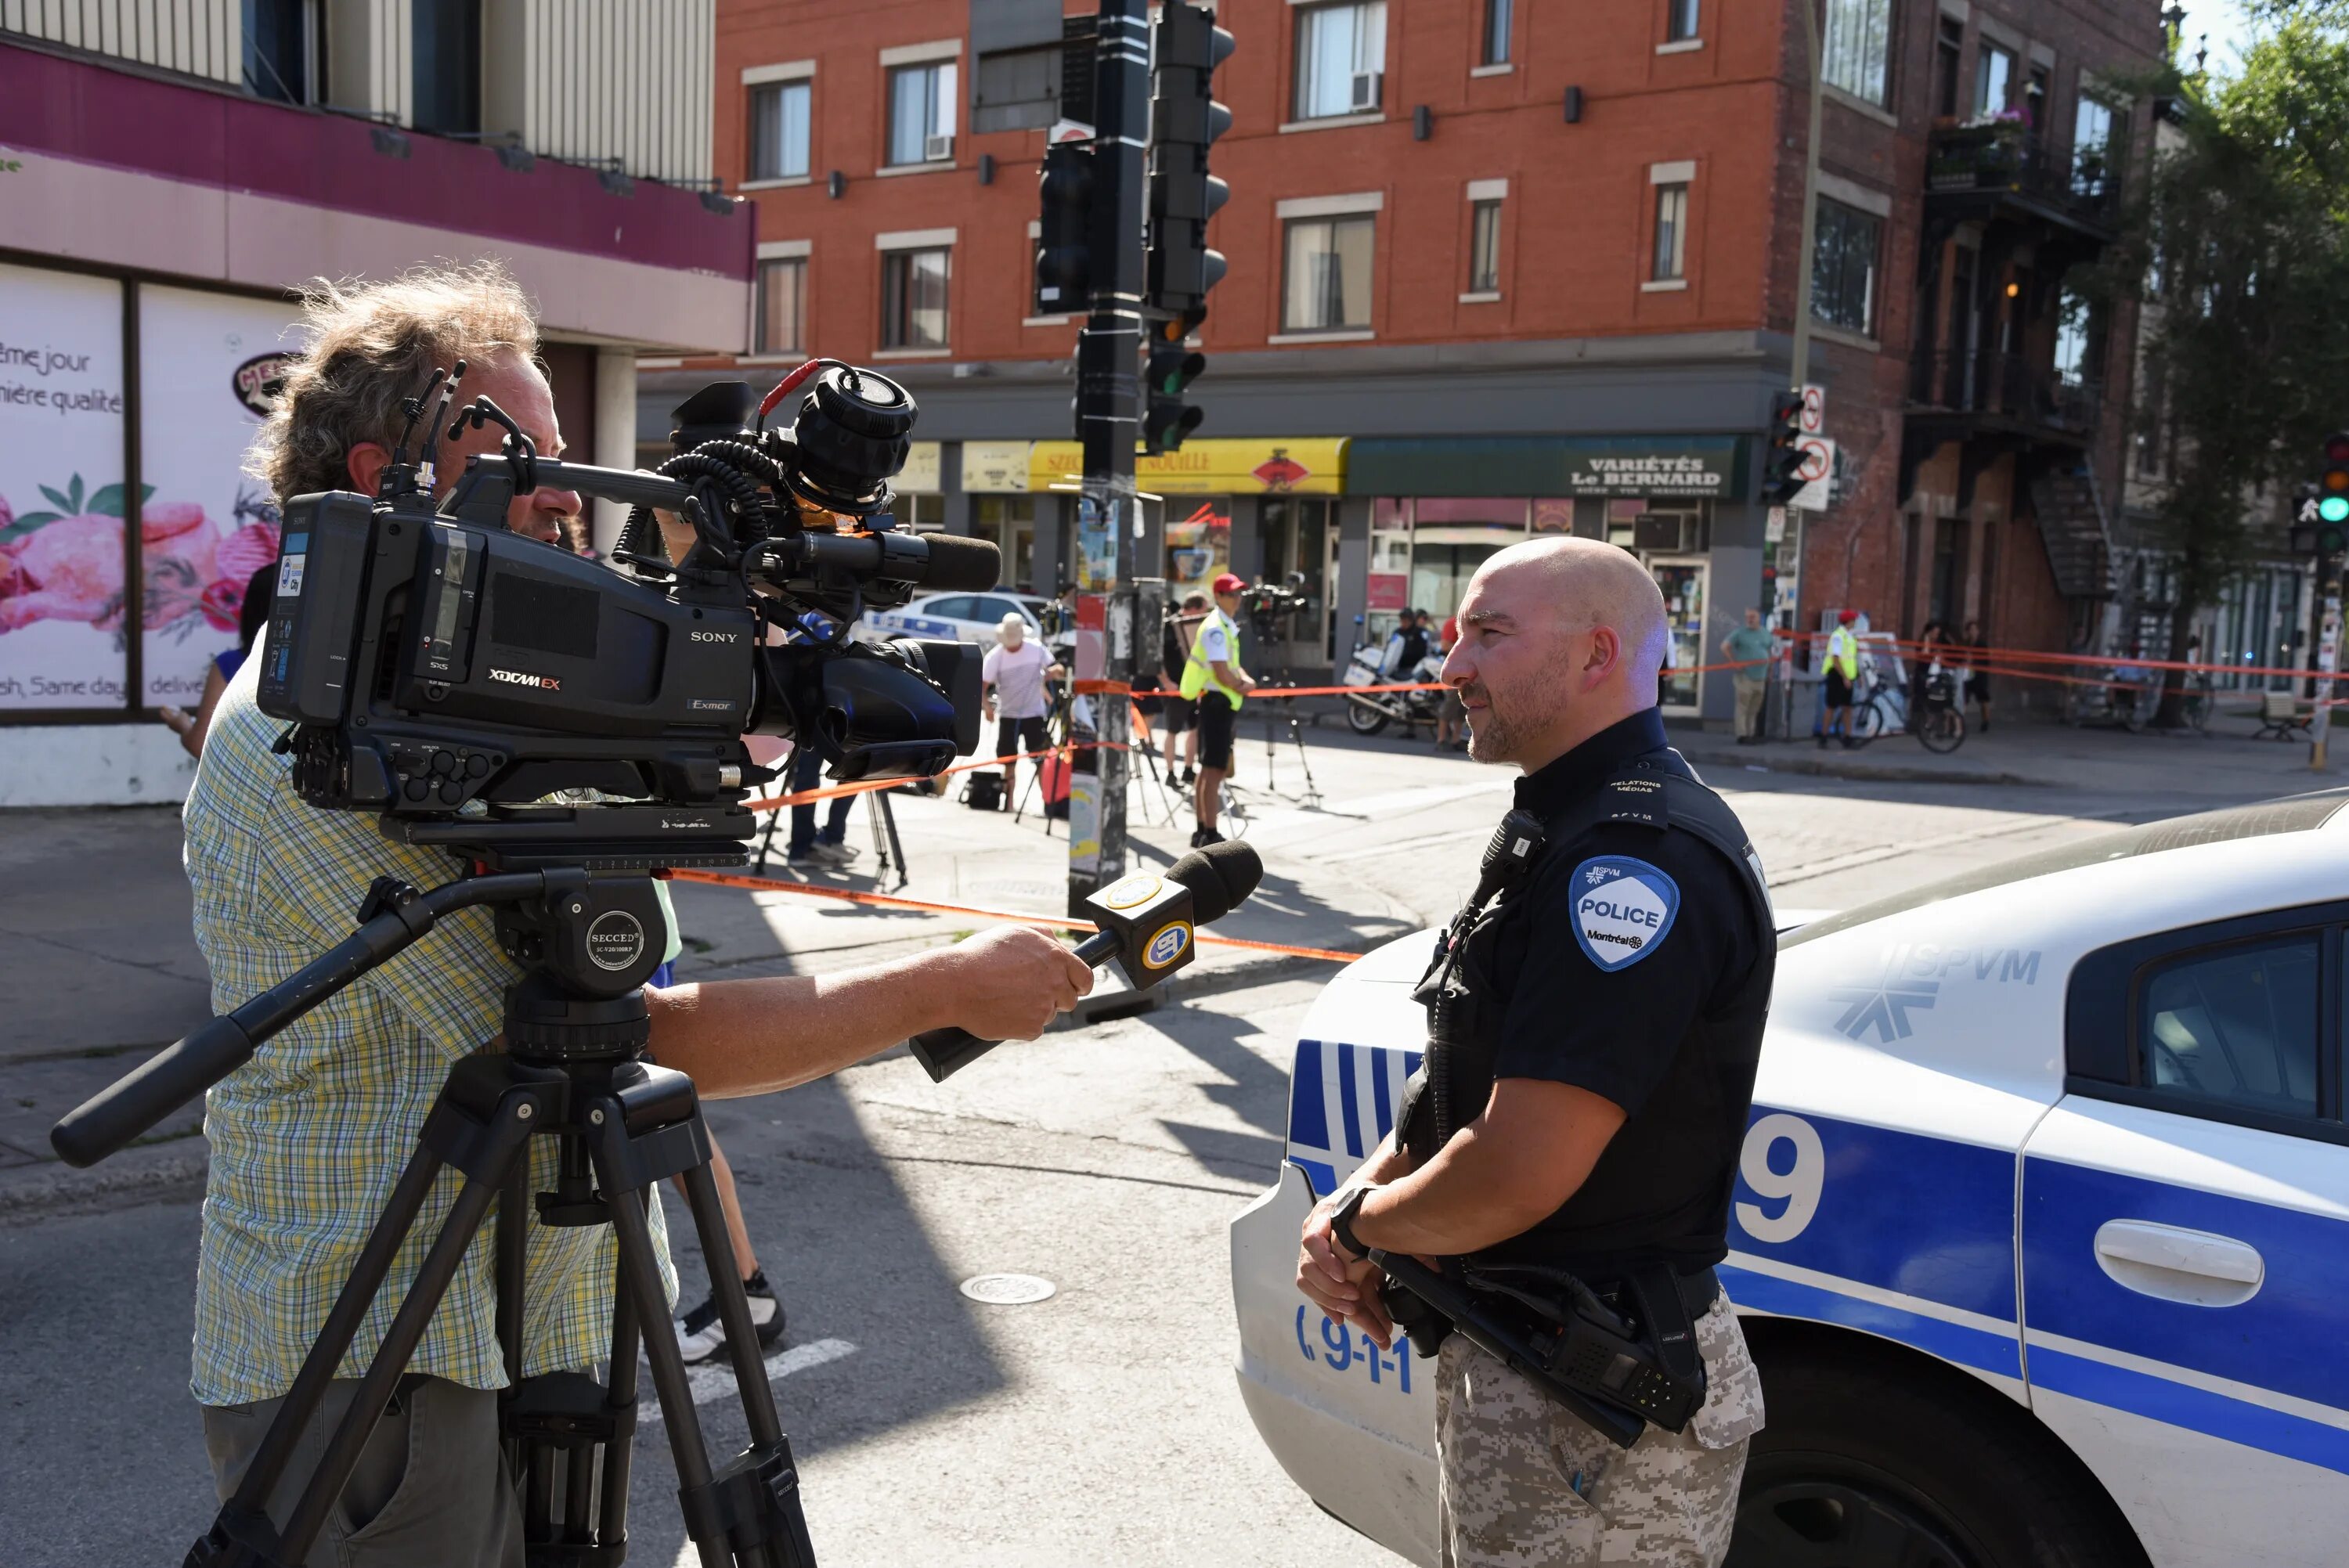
(1270,633)
(576,1029)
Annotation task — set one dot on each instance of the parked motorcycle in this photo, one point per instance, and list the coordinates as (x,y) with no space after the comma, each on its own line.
(1368,713)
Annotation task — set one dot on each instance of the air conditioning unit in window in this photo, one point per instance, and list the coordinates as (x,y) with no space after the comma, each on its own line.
(1366,91)
(937,148)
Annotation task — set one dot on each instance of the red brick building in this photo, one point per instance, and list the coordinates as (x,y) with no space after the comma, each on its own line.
(1497,269)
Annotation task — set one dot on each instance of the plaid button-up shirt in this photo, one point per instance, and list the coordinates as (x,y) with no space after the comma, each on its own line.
(309,1137)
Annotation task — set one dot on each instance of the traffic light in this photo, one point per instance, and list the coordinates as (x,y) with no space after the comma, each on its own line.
(1063,257)
(1782,453)
(1166,419)
(1185,118)
(2332,489)
(2321,523)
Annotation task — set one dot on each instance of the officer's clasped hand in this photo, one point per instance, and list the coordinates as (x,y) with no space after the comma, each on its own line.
(1347,1288)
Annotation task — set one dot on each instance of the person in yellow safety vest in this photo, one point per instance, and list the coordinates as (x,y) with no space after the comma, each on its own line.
(1212,678)
(1843,671)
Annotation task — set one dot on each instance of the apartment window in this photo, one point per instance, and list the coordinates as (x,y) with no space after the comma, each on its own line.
(2079,340)
(1341,59)
(913,298)
(1326,273)
(1671,261)
(1993,78)
(922,113)
(445,47)
(1680,21)
(1846,244)
(1485,247)
(1498,15)
(781,306)
(2096,163)
(1948,54)
(1857,48)
(779,130)
(280,50)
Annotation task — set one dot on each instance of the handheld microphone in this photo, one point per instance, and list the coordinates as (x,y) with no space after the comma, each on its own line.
(1146,925)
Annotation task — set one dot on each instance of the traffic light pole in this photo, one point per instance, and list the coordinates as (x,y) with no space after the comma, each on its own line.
(2328,654)
(1108,420)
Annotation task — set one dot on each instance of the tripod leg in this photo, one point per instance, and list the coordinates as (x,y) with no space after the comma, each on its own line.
(640,1282)
(888,819)
(415,1310)
(334,1341)
(620,1400)
(747,1511)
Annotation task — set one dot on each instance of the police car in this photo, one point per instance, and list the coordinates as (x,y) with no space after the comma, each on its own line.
(2040,1229)
(956,617)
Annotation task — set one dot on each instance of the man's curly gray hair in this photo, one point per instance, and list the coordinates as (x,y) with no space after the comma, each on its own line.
(370,345)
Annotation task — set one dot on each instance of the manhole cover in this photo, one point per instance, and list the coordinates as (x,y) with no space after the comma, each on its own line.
(1007,1289)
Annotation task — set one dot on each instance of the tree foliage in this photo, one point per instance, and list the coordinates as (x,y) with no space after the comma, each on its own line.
(2238,242)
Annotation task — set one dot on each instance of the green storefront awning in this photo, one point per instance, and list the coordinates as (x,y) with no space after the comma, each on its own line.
(1657,466)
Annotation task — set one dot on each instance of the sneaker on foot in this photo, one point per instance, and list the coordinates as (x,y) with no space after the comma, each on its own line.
(701,1335)
(1204,837)
(1190,775)
(833,854)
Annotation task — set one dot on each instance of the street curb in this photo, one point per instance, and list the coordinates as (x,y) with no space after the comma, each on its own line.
(51,1188)
(1839,767)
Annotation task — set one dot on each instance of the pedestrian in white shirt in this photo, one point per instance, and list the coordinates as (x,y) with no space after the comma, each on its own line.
(1011,684)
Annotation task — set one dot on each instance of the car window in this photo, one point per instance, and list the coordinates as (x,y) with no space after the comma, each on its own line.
(996,609)
(2235,1026)
(954,607)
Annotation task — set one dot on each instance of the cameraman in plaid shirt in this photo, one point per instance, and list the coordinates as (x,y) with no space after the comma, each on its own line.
(309,1137)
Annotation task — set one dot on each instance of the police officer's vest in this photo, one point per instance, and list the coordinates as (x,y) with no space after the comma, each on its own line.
(1198,673)
(1656,790)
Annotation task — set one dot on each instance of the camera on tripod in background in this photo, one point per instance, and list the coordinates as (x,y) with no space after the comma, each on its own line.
(1272,609)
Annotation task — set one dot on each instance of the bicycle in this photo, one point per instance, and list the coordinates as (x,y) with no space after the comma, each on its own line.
(1940,726)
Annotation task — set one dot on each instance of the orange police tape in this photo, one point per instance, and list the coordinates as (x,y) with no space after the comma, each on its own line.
(1011,917)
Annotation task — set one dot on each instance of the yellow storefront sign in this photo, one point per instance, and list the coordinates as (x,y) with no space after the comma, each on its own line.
(920,474)
(1313,465)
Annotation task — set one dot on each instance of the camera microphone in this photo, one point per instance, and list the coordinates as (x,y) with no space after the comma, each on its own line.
(960,565)
(1147,925)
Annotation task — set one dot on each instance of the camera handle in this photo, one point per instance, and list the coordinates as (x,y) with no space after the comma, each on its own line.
(393,915)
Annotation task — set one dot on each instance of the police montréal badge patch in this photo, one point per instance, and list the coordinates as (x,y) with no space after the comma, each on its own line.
(1623,908)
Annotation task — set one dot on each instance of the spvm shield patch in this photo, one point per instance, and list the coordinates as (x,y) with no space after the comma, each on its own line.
(1623,909)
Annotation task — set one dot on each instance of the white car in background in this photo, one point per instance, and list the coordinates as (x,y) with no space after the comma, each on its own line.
(2040,1234)
(958,617)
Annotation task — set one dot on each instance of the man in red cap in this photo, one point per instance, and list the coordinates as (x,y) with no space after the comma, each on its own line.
(1212,678)
(1843,669)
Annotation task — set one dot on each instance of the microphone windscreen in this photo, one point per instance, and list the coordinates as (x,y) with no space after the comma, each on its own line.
(1220,878)
(960,565)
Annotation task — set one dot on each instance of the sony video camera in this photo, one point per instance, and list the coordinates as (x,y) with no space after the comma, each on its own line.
(454,676)
(1268,605)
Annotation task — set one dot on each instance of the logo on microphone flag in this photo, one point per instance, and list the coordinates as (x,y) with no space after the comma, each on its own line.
(1623,908)
(1166,944)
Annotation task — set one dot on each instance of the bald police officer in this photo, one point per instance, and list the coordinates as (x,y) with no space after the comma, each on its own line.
(1594,1028)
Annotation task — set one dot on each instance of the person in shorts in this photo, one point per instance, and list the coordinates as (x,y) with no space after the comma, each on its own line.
(1179,714)
(1213,678)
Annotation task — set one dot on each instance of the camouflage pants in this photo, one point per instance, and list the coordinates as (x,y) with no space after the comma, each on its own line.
(1526,1483)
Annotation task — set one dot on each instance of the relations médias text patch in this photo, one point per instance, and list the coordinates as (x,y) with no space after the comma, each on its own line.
(1622,909)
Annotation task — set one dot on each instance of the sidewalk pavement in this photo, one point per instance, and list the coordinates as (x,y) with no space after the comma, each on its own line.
(2218,761)
(108,972)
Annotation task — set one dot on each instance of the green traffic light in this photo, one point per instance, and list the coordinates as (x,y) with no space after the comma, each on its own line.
(2334,509)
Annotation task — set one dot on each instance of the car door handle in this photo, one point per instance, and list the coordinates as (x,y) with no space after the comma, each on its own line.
(2173,1263)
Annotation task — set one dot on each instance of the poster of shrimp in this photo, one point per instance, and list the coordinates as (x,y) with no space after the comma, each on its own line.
(204,527)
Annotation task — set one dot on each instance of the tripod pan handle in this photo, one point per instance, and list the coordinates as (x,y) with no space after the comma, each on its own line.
(946,1052)
(136,1102)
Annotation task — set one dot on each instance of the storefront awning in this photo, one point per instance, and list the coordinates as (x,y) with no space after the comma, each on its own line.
(1221,466)
(1659,467)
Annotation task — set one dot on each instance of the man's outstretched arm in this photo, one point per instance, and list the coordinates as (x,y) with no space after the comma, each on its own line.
(754,1037)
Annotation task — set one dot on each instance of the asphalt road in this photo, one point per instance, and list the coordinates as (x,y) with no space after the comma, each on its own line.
(1102,1425)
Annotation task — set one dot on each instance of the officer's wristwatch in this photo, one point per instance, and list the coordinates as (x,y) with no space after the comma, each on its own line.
(1342,1223)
